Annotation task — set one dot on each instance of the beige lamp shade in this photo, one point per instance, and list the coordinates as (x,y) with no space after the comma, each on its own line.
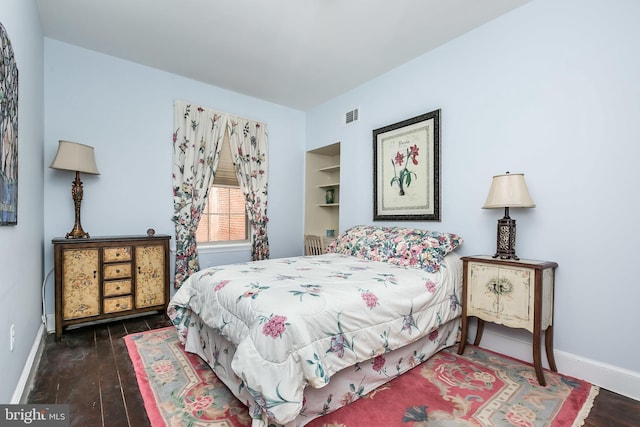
(75,157)
(508,191)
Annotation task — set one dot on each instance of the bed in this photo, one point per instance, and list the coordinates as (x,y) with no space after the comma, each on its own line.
(296,338)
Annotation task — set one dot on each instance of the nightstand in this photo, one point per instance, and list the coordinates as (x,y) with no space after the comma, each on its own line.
(514,293)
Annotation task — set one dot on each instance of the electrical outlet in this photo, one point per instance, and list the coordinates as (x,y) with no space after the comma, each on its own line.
(12,336)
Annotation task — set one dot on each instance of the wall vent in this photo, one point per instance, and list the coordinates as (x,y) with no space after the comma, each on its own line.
(351,116)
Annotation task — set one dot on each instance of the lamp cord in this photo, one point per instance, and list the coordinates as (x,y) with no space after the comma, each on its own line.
(44,309)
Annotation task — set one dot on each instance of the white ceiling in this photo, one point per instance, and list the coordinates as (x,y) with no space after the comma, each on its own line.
(297,53)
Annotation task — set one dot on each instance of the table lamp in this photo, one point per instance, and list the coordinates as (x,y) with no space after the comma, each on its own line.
(75,157)
(508,191)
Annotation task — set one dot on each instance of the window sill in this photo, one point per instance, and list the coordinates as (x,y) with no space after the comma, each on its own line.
(206,248)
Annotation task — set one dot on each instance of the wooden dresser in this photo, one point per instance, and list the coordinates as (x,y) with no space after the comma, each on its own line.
(105,277)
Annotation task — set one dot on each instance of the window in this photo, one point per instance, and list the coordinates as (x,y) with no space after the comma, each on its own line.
(225,216)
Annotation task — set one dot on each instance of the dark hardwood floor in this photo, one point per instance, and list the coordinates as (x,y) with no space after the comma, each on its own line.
(90,369)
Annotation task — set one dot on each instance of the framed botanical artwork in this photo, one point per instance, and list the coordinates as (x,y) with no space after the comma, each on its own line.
(406,169)
(8,132)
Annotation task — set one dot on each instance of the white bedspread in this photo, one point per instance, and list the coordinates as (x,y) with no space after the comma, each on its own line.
(297,321)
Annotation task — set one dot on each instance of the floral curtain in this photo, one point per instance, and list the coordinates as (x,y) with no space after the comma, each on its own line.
(197,141)
(249,148)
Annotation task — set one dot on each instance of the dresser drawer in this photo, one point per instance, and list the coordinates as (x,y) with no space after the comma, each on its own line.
(117,271)
(117,287)
(116,254)
(113,305)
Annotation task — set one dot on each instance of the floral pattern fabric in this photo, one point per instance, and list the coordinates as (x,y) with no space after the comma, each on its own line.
(363,379)
(197,141)
(249,148)
(397,245)
(297,321)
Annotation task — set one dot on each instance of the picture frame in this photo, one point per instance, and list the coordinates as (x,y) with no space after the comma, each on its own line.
(406,170)
(8,132)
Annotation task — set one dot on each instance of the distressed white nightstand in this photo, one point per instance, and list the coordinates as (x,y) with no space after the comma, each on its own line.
(514,293)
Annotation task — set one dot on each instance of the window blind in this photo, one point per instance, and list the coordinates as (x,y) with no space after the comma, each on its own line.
(226,172)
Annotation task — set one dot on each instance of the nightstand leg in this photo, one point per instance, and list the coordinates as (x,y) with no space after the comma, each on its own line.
(463,336)
(479,332)
(537,359)
(548,343)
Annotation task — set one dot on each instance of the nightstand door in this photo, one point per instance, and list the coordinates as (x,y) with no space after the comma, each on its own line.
(501,295)
(150,276)
(80,283)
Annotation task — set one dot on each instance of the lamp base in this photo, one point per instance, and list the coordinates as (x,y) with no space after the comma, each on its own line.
(77,233)
(77,193)
(506,240)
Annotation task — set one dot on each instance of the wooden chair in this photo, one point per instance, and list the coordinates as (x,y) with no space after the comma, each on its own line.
(313,245)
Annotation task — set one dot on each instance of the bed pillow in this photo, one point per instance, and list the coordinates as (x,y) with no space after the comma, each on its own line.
(413,247)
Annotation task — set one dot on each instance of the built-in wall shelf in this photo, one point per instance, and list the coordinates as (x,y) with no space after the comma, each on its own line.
(330,168)
(322,172)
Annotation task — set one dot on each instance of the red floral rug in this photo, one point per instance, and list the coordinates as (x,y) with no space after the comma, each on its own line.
(478,388)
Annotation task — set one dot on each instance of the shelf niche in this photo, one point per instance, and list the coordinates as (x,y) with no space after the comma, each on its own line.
(322,172)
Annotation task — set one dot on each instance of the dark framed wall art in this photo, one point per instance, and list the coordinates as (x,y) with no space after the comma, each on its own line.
(8,132)
(406,169)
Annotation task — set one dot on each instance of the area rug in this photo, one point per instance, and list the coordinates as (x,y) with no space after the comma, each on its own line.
(479,388)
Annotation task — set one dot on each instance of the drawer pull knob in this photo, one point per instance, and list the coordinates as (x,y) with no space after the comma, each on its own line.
(139,270)
(118,270)
(117,288)
(94,274)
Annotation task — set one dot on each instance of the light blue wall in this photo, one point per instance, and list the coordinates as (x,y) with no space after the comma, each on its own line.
(21,245)
(125,111)
(551,89)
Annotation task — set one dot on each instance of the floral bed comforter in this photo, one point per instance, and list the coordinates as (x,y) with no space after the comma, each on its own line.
(297,321)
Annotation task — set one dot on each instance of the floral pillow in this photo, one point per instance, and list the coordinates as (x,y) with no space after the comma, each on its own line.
(397,245)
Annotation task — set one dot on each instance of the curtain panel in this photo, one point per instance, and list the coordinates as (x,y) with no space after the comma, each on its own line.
(249,148)
(197,142)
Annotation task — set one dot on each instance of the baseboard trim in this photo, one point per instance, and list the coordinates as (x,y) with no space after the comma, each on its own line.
(26,378)
(613,378)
